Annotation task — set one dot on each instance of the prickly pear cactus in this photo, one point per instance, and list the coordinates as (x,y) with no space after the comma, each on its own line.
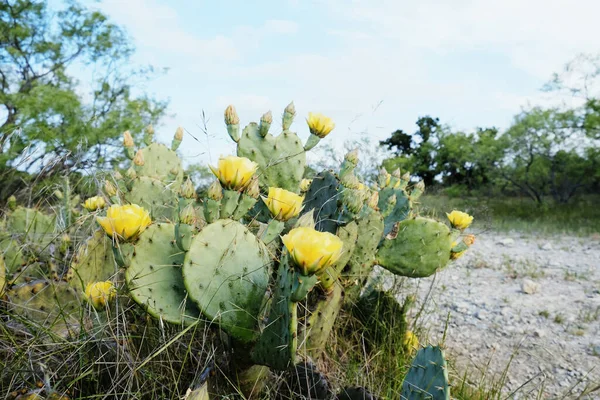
(31,226)
(427,377)
(13,253)
(154,276)
(421,247)
(226,273)
(322,197)
(94,261)
(321,320)
(398,211)
(51,306)
(154,196)
(349,235)
(160,163)
(281,158)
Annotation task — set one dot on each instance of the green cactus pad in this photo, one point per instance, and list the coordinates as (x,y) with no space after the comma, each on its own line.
(427,377)
(321,321)
(31,226)
(93,262)
(154,276)
(322,197)
(281,160)
(154,196)
(30,272)
(161,163)
(420,248)
(369,232)
(278,341)
(226,272)
(47,305)
(401,209)
(13,255)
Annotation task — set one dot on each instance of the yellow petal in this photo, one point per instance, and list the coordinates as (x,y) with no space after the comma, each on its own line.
(311,250)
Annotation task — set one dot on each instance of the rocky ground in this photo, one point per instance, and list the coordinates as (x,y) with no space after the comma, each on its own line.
(535,299)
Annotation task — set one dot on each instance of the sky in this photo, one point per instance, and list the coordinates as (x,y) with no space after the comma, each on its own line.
(374,66)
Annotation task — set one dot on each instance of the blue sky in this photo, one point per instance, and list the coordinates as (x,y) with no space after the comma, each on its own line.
(372,65)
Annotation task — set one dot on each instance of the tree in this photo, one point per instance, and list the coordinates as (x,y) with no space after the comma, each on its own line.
(45,124)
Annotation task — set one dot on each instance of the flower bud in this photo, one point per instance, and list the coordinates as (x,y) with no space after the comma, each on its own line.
(352,157)
(373,200)
(290,109)
(139,158)
(127,139)
(305,185)
(131,174)
(267,118)
(12,203)
(215,191)
(117,175)
(109,188)
(188,215)
(179,134)
(469,240)
(406,176)
(187,190)
(58,194)
(231,116)
(420,186)
(392,200)
(396,173)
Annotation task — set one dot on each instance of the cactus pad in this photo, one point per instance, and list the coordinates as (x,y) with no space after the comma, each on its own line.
(427,377)
(226,272)
(154,276)
(13,255)
(54,306)
(93,262)
(401,209)
(31,226)
(155,197)
(161,163)
(322,197)
(349,235)
(321,321)
(420,248)
(281,159)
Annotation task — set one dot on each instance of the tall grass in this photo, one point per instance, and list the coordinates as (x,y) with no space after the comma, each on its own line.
(503,214)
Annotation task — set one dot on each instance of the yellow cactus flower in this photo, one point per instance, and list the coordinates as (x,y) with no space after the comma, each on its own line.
(460,220)
(234,173)
(127,139)
(319,124)
(305,185)
(411,341)
(99,294)
(283,204)
(94,203)
(312,251)
(126,221)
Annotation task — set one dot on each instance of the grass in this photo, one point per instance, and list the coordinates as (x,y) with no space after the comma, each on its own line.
(581,217)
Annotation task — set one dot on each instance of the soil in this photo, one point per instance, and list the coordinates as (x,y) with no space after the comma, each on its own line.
(533,299)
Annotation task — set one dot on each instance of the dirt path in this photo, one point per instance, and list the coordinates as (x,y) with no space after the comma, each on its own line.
(553,331)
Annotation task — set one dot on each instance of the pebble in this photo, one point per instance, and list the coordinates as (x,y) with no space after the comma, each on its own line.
(530,287)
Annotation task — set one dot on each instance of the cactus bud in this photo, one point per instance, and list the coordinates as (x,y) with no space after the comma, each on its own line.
(392,201)
(353,200)
(127,139)
(305,185)
(469,240)
(265,123)
(253,190)
(187,190)
(215,191)
(188,215)
(58,194)
(352,157)
(117,175)
(139,159)
(350,181)
(396,173)
(12,203)
(420,186)
(384,178)
(290,109)
(179,134)
(406,177)
(288,116)
(149,135)
(231,116)
(373,200)
(109,188)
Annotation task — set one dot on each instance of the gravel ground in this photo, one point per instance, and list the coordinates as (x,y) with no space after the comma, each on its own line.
(537,299)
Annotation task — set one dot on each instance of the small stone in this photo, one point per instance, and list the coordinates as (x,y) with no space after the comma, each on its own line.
(539,333)
(546,246)
(507,242)
(530,287)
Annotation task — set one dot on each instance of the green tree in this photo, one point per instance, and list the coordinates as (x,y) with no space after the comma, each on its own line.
(45,123)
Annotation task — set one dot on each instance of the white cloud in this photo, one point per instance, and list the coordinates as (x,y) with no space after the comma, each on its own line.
(281,26)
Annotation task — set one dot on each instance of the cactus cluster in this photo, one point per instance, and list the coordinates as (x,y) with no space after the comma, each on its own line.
(239,258)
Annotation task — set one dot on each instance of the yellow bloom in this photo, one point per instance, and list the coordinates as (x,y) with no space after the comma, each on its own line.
(305,185)
(283,204)
(234,172)
(94,203)
(459,219)
(411,341)
(126,221)
(319,124)
(99,294)
(455,255)
(311,250)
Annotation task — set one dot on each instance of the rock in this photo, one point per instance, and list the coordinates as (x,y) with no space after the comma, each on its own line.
(530,287)
(481,314)
(540,333)
(546,246)
(506,242)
